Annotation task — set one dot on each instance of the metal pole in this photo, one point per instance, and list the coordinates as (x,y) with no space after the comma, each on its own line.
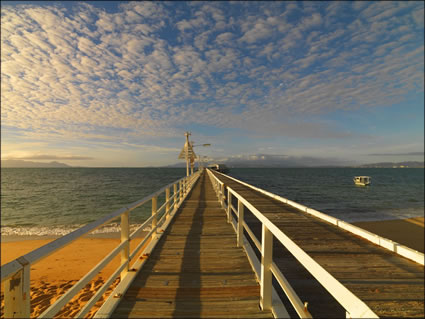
(187,152)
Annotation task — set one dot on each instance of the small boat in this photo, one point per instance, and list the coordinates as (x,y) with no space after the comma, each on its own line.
(362,180)
(219,168)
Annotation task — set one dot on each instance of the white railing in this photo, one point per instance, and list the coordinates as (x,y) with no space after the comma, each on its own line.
(16,274)
(355,308)
(386,243)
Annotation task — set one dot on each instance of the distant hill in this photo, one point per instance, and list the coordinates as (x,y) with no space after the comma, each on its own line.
(409,164)
(29,164)
(282,161)
(274,161)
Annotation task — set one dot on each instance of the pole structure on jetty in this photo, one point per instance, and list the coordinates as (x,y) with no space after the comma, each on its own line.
(187,152)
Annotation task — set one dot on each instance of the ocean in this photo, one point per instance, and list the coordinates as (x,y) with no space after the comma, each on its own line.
(55,201)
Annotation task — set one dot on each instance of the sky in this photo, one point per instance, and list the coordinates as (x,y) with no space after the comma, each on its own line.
(116,84)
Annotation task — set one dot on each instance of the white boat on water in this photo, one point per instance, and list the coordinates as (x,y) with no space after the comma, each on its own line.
(219,168)
(362,180)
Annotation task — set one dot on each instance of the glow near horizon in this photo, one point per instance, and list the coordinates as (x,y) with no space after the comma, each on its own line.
(118,84)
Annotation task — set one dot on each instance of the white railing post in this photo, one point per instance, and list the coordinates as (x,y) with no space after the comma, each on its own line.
(222,195)
(175,195)
(125,236)
(17,293)
(155,219)
(266,274)
(167,200)
(229,206)
(240,223)
(181,190)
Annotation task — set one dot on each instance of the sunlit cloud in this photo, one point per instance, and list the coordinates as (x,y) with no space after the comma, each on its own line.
(76,72)
(44,157)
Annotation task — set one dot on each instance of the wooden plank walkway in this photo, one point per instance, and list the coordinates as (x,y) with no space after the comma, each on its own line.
(392,286)
(195,270)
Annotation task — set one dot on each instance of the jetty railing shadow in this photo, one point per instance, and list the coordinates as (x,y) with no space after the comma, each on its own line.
(16,274)
(266,268)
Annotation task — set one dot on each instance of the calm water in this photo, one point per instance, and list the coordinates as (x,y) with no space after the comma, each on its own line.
(55,201)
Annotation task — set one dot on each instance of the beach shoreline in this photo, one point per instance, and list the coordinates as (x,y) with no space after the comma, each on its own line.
(408,232)
(52,276)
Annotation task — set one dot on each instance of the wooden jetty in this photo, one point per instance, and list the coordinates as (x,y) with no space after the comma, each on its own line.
(392,286)
(218,247)
(196,270)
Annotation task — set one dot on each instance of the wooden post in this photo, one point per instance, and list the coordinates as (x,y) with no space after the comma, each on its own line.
(167,206)
(266,274)
(229,206)
(175,195)
(184,186)
(125,236)
(240,223)
(155,219)
(222,195)
(17,293)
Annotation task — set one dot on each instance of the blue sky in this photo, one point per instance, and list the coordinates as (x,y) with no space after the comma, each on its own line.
(118,83)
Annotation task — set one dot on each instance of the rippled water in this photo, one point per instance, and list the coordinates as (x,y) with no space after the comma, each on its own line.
(394,193)
(54,201)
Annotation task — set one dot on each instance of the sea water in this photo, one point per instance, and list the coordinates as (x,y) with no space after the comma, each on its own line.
(55,201)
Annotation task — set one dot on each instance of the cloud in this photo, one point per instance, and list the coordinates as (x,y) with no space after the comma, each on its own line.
(398,154)
(277,160)
(151,67)
(49,157)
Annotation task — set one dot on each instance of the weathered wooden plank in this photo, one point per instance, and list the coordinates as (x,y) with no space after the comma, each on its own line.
(345,256)
(196,269)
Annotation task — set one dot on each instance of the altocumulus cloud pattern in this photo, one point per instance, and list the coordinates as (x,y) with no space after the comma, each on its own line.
(76,70)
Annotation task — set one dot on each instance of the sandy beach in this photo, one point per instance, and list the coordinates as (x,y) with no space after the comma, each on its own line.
(408,232)
(51,277)
(54,275)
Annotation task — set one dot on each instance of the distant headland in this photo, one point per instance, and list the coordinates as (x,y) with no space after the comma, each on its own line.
(29,164)
(239,164)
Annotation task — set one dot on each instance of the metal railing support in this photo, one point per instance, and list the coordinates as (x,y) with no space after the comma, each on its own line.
(155,219)
(229,206)
(266,274)
(167,200)
(240,222)
(17,293)
(125,237)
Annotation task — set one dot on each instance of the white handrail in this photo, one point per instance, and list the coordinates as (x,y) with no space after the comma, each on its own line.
(353,305)
(386,243)
(16,273)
